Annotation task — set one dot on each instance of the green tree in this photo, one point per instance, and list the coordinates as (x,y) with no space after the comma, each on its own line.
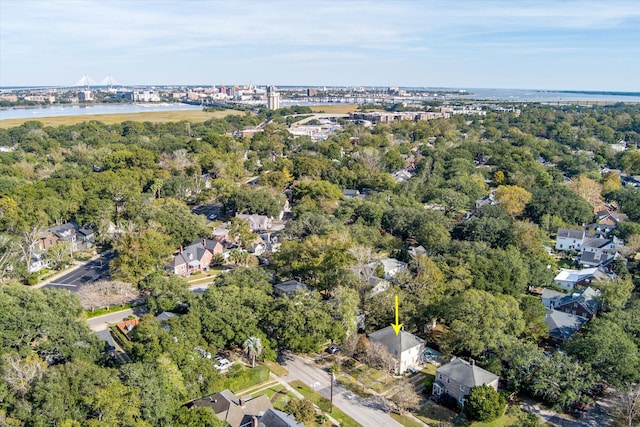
(196,416)
(479,321)
(253,347)
(139,254)
(302,410)
(483,403)
(608,349)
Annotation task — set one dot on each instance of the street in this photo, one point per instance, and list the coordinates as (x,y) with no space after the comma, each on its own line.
(365,412)
(89,272)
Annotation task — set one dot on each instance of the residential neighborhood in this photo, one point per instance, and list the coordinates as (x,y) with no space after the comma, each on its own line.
(401,272)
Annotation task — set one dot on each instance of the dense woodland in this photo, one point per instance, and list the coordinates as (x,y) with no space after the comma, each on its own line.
(144,178)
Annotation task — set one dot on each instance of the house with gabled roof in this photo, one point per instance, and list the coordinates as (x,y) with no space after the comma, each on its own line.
(391,266)
(597,251)
(585,302)
(195,257)
(290,287)
(569,279)
(562,325)
(257,223)
(458,377)
(569,239)
(235,411)
(407,349)
(275,418)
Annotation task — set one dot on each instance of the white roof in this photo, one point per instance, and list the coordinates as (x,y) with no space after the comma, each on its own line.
(567,275)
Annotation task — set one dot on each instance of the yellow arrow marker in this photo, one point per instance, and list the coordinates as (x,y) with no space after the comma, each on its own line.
(397,326)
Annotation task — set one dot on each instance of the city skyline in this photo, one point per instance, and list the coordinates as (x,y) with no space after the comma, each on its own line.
(574,45)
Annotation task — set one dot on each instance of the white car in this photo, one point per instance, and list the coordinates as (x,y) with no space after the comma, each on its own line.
(212,217)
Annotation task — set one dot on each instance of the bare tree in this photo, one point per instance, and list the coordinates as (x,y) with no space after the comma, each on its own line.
(104,293)
(350,345)
(20,373)
(29,243)
(8,256)
(627,406)
(60,254)
(404,396)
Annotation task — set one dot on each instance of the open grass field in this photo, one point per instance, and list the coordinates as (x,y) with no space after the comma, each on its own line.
(151,116)
(335,108)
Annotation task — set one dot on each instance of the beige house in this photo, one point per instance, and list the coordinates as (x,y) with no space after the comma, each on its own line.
(457,377)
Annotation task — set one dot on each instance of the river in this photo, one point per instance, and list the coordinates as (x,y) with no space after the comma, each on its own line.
(82,110)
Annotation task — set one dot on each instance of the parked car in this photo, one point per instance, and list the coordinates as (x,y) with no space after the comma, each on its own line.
(333,349)
(212,217)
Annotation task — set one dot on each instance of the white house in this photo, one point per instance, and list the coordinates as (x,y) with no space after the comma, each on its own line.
(406,348)
(568,279)
(569,239)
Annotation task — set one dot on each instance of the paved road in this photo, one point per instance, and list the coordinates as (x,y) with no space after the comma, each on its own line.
(101,323)
(363,411)
(207,210)
(91,271)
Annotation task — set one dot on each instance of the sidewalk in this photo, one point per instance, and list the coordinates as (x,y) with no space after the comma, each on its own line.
(299,395)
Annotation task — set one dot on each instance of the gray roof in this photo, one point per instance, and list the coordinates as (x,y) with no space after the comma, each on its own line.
(165,315)
(570,233)
(235,411)
(275,418)
(551,294)
(562,325)
(290,287)
(191,254)
(395,344)
(594,242)
(65,231)
(587,297)
(465,373)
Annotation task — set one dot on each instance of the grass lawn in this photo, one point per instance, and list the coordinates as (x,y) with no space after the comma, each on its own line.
(433,413)
(276,368)
(323,404)
(270,391)
(503,421)
(101,311)
(151,116)
(405,420)
(372,378)
(429,369)
(335,108)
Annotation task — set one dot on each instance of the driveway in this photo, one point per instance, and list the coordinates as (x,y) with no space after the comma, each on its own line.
(367,412)
(101,323)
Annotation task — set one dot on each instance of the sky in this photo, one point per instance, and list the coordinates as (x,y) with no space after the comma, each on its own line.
(562,45)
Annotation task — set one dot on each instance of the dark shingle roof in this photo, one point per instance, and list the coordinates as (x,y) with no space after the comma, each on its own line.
(562,325)
(465,373)
(570,233)
(587,297)
(235,411)
(275,418)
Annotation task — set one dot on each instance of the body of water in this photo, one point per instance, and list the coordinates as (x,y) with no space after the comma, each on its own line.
(497,95)
(529,95)
(80,110)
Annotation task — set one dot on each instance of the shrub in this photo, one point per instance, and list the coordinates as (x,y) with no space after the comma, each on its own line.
(484,404)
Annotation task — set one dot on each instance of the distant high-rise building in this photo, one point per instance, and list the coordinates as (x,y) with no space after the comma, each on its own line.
(85,96)
(312,92)
(273,98)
